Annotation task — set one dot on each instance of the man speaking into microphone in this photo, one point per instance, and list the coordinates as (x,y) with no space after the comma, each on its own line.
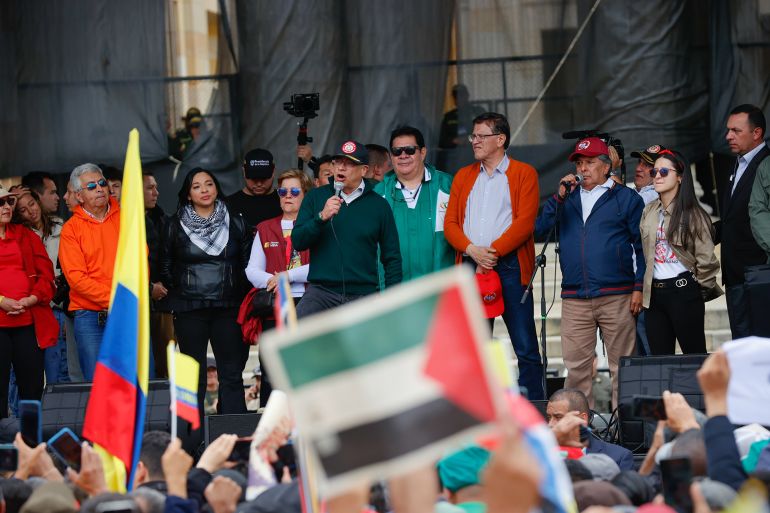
(342,224)
(599,240)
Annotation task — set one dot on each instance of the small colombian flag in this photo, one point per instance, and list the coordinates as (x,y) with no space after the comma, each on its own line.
(183,380)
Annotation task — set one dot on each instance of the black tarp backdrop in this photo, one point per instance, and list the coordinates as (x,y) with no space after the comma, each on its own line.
(644,73)
(76,76)
(362,57)
(740,71)
(9,114)
(284,48)
(88,71)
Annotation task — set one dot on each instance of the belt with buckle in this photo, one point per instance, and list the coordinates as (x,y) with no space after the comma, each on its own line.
(678,282)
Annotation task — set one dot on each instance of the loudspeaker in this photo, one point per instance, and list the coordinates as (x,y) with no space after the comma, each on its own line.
(64,405)
(552,385)
(540,406)
(241,424)
(652,375)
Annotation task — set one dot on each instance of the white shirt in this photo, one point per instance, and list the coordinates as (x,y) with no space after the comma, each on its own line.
(743,163)
(411,196)
(648,193)
(667,265)
(589,198)
(349,198)
(488,212)
(255,270)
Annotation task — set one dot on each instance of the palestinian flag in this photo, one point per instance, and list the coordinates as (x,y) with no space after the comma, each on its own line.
(391,381)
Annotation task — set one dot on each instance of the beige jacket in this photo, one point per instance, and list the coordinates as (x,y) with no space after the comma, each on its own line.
(698,257)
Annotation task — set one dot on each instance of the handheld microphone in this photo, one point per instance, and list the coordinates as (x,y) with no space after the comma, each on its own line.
(578,181)
(338,188)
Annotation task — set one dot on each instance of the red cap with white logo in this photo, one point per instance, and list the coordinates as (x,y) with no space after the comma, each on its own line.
(589,147)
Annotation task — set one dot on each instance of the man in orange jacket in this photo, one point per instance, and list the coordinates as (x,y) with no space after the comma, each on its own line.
(89,243)
(490,222)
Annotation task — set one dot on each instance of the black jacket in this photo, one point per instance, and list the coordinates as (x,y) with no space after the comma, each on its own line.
(196,279)
(739,249)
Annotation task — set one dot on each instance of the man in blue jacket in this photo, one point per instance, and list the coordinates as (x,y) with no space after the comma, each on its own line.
(566,411)
(599,238)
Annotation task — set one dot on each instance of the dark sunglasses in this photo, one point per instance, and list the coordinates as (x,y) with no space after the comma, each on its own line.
(92,185)
(8,200)
(410,150)
(664,171)
(295,191)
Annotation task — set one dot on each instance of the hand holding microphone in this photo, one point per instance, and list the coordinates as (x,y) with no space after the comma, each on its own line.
(333,204)
(568,184)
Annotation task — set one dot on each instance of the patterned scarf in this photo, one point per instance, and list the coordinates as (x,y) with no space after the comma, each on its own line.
(209,234)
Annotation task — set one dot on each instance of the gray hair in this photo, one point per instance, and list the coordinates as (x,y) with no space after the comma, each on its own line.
(605,159)
(149,500)
(80,171)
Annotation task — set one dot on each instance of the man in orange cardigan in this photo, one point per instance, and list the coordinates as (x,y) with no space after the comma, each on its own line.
(490,222)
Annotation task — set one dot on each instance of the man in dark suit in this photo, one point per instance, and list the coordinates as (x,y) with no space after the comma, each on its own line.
(745,135)
(566,412)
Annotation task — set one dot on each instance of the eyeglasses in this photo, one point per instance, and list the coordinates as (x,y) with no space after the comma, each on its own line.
(664,171)
(479,137)
(409,150)
(8,200)
(92,185)
(295,191)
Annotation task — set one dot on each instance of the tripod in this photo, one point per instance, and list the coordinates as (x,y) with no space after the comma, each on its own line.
(302,139)
(540,263)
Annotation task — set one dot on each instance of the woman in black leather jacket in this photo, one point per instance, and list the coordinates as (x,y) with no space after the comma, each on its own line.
(204,253)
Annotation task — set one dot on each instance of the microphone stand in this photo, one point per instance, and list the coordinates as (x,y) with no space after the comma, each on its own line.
(540,263)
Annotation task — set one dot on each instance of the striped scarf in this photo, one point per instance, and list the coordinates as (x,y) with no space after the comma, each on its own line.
(209,234)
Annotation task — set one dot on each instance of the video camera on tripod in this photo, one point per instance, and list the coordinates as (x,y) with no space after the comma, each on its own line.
(609,141)
(305,106)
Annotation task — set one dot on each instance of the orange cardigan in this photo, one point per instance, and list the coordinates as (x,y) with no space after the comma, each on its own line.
(525,197)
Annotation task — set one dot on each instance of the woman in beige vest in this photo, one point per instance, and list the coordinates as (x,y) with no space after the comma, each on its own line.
(682,269)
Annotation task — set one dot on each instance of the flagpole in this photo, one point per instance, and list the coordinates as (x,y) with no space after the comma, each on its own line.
(171,351)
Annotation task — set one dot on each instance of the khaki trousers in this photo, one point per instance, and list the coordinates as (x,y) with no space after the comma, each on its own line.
(579,320)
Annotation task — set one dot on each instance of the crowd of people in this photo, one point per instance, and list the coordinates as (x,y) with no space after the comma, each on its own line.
(638,264)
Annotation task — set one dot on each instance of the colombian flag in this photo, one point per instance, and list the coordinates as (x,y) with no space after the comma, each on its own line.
(115,414)
(183,383)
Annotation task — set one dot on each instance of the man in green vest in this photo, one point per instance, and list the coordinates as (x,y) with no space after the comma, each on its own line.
(418,194)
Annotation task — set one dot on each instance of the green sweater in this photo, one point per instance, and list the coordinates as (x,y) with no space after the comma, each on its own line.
(421,229)
(347,263)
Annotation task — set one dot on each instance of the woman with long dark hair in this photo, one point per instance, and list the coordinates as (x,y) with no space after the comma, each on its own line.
(204,253)
(682,269)
(30,212)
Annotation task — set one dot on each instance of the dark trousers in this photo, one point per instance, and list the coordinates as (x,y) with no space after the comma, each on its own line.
(738,310)
(18,347)
(318,299)
(194,329)
(676,313)
(519,319)
(642,344)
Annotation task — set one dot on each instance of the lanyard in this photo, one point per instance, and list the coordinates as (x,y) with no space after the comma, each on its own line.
(288,251)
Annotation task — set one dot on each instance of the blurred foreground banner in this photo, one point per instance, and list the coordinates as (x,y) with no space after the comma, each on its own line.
(391,381)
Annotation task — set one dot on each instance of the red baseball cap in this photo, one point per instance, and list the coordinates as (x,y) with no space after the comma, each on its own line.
(491,291)
(589,147)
